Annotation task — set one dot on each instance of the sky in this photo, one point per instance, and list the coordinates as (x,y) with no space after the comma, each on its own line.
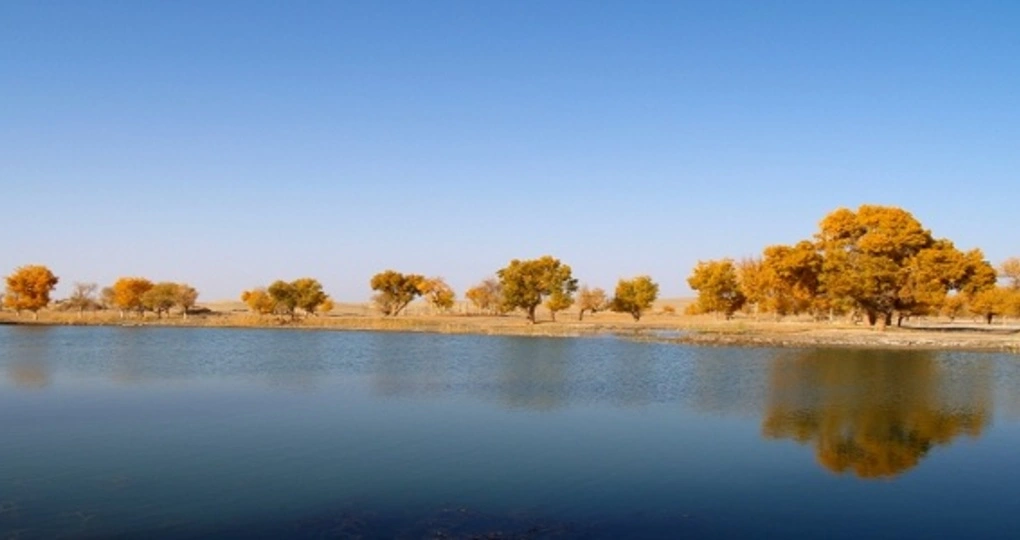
(229,144)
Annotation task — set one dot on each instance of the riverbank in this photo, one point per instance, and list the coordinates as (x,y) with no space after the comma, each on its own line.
(701,331)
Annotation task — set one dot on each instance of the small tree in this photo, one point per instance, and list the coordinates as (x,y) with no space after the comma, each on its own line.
(558,301)
(995,302)
(634,296)
(438,294)
(83,296)
(486,296)
(29,288)
(527,283)
(591,300)
(259,301)
(160,298)
(395,290)
(1011,271)
(186,298)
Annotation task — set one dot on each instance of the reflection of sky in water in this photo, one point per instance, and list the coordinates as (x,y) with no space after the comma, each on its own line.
(208,426)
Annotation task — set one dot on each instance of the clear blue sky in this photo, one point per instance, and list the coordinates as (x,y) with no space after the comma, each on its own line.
(228,144)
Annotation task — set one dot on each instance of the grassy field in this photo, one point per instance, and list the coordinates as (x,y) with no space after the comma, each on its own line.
(661,324)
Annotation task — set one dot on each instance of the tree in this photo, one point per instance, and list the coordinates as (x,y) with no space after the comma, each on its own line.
(309,294)
(438,294)
(285,297)
(527,283)
(259,301)
(591,300)
(395,290)
(995,302)
(717,287)
(29,288)
(186,298)
(160,298)
(128,292)
(83,296)
(487,296)
(1010,270)
(634,296)
(558,301)
(325,307)
(792,278)
(107,298)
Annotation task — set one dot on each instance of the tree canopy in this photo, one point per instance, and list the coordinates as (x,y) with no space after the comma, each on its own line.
(591,300)
(635,296)
(527,283)
(717,287)
(29,287)
(394,290)
(128,293)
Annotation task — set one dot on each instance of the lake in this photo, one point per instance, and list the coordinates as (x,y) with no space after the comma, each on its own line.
(187,433)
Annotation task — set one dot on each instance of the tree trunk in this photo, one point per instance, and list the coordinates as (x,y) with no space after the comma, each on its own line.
(888,319)
(988,318)
(531,314)
(872,318)
(636,315)
(899,320)
(580,315)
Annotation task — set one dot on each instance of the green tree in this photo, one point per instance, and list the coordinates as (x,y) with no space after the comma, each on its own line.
(634,296)
(285,297)
(309,294)
(591,300)
(160,298)
(717,287)
(29,288)
(527,283)
(394,290)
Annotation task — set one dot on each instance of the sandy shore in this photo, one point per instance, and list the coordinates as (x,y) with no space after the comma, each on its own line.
(704,331)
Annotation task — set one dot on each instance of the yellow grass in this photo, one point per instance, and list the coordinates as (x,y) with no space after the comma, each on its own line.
(700,329)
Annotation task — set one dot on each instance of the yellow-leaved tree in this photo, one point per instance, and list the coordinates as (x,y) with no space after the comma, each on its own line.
(717,287)
(527,283)
(394,290)
(128,293)
(29,288)
(635,296)
(487,296)
(438,294)
(259,301)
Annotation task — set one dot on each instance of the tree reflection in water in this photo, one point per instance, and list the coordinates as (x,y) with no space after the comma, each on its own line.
(875,414)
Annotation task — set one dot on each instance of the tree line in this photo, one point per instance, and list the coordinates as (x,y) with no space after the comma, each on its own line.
(522,284)
(29,288)
(877,262)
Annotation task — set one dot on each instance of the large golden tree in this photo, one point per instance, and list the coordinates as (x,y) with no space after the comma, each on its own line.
(29,288)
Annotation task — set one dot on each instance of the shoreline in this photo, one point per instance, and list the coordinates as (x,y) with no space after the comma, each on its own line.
(679,330)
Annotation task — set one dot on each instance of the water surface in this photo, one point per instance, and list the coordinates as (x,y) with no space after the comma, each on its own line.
(179,433)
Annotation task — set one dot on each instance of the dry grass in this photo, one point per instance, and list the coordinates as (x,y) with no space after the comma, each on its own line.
(700,329)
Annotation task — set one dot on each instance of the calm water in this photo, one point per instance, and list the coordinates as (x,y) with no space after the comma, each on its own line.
(181,433)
